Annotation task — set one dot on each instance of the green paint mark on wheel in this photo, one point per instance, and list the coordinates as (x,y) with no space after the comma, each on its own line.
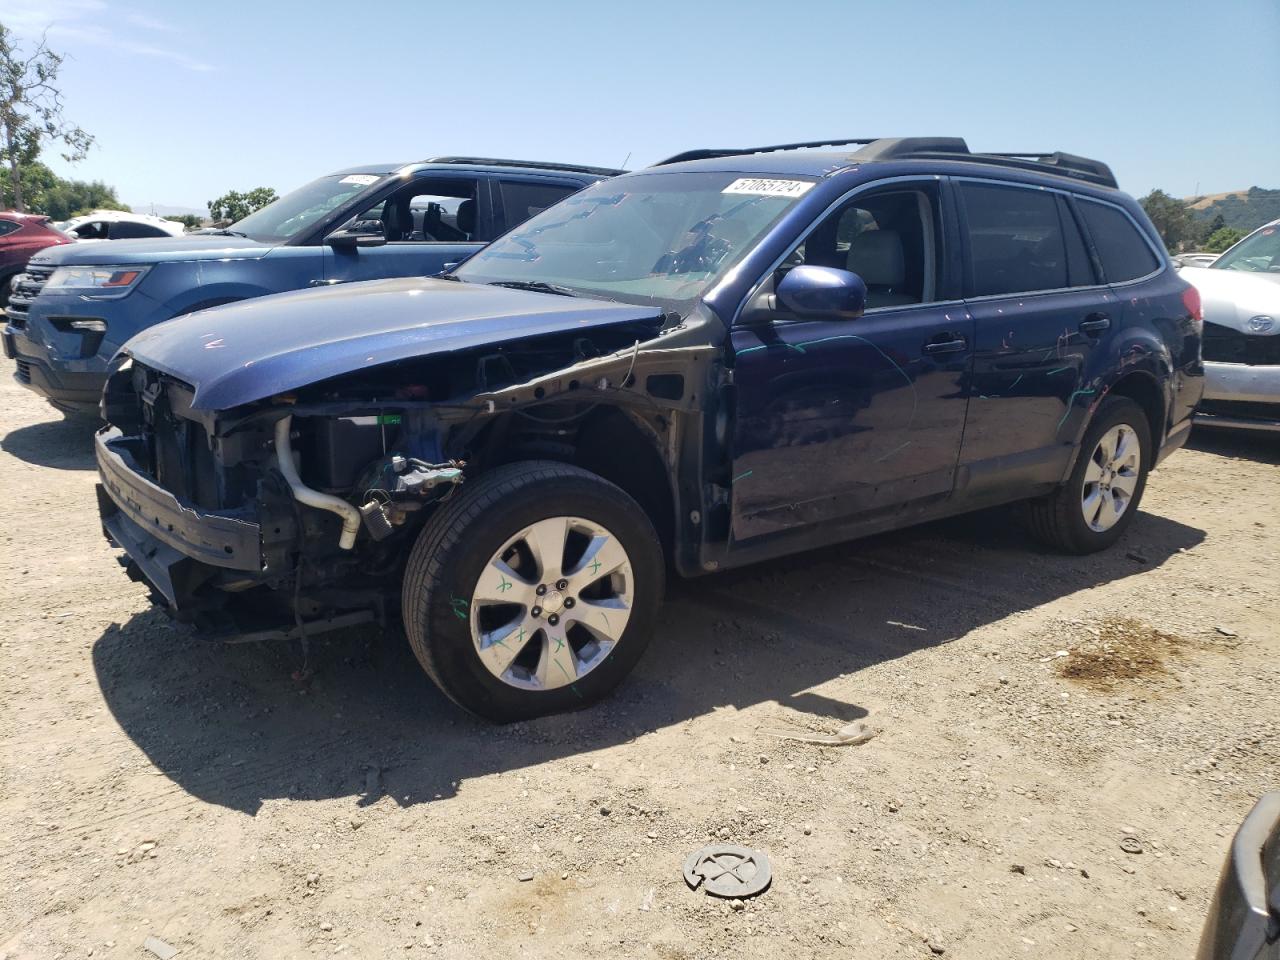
(459,607)
(559,644)
(520,638)
(567,674)
(505,585)
(595,566)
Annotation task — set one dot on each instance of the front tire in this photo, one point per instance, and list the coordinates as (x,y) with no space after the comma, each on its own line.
(1094,508)
(533,591)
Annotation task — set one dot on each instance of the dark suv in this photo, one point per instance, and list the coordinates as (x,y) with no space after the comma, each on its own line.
(733,355)
(74,306)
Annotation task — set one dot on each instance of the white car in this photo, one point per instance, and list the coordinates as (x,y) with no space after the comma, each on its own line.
(119,225)
(1240,296)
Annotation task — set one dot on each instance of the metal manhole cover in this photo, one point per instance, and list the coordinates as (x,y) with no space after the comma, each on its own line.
(727,870)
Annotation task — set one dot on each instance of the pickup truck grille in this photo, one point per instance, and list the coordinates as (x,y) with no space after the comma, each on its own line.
(1224,345)
(25,288)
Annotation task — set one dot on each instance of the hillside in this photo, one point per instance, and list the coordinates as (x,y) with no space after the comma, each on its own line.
(1243,209)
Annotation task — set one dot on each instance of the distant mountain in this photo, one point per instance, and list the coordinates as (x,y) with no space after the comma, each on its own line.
(165,210)
(1243,209)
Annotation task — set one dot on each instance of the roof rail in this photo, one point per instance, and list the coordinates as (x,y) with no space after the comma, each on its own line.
(934,148)
(528,164)
(712,153)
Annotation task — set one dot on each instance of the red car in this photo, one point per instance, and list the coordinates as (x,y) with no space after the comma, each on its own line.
(21,235)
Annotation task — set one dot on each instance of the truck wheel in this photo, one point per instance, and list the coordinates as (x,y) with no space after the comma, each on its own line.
(533,591)
(1092,510)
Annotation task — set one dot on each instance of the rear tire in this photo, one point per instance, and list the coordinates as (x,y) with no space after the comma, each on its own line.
(490,646)
(1095,506)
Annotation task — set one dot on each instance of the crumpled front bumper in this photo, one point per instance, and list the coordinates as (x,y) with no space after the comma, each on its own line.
(168,539)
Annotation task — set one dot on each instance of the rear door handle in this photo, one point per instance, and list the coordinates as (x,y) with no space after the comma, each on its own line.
(959,345)
(1095,323)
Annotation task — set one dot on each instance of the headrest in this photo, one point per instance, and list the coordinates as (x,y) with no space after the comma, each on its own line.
(876,256)
(466,218)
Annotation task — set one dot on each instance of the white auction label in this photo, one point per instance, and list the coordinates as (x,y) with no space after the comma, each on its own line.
(768,187)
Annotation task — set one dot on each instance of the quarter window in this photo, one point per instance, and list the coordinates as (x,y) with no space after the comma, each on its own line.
(1016,242)
(7,226)
(1125,255)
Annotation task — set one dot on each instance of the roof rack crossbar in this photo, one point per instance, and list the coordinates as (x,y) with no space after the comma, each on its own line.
(528,164)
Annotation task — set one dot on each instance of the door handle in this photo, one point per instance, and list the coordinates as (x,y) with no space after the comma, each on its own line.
(323,283)
(958,345)
(1095,323)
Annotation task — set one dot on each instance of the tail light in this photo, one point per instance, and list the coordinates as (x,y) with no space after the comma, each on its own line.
(1191,300)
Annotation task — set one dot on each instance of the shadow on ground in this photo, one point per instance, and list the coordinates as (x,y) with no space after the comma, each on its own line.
(1258,445)
(64,444)
(231,726)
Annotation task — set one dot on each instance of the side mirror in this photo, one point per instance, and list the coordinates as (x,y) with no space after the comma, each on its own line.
(362,233)
(822,292)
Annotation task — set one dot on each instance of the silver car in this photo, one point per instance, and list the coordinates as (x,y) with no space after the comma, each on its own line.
(1240,296)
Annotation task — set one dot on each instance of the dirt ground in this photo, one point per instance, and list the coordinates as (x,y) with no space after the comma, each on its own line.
(1033,709)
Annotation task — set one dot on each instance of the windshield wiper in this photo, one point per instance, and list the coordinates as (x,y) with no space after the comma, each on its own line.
(538,286)
(224,232)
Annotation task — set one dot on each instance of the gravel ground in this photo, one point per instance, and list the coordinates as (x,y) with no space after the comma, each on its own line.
(1033,711)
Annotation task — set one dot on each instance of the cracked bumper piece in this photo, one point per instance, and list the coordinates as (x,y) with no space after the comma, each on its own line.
(160,533)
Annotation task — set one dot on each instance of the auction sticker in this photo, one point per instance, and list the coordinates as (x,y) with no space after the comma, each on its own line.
(768,187)
(364,179)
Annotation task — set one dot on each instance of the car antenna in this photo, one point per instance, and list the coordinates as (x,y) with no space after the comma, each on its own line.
(623,164)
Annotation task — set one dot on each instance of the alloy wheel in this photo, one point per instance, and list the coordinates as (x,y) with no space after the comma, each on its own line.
(551,603)
(1111,477)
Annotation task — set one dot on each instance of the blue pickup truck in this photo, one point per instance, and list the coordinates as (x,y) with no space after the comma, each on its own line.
(74,306)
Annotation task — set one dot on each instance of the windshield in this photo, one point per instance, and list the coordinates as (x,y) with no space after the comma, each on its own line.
(645,238)
(1257,253)
(304,207)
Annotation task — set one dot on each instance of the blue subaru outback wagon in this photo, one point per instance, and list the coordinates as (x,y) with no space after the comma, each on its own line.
(730,356)
(70,311)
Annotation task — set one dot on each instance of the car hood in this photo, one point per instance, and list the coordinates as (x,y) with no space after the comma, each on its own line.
(242,352)
(152,250)
(1231,298)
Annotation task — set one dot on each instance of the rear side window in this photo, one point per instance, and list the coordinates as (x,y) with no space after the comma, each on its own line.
(124,230)
(520,201)
(7,226)
(1016,242)
(1124,253)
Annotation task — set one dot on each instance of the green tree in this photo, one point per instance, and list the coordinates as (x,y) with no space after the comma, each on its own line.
(234,205)
(47,193)
(1222,238)
(188,220)
(31,111)
(1171,218)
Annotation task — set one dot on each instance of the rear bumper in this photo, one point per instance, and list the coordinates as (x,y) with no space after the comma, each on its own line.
(142,518)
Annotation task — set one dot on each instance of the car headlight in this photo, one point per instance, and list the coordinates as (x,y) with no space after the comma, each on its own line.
(97,282)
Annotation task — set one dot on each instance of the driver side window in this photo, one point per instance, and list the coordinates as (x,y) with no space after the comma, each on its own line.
(428,211)
(890,239)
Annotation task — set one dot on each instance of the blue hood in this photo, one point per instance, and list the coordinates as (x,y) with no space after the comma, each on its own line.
(254,349)
(154,250)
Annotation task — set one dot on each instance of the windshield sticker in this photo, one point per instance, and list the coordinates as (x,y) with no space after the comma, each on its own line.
(364,179)
(766,187)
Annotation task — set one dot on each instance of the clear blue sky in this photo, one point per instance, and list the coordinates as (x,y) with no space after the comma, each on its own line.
(188,100)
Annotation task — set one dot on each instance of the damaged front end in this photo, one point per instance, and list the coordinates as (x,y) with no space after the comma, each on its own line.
(295,512)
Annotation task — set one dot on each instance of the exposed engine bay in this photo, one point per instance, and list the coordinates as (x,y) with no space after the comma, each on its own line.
(295,512)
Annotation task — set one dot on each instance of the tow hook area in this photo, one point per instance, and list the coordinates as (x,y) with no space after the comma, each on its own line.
(397,486)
